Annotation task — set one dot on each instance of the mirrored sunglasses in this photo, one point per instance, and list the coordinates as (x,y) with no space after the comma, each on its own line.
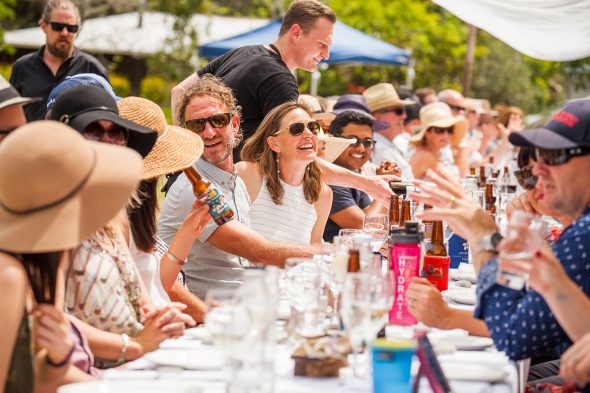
(367,143)
(552,157)
(297,129)
(525,177)
(219,120)
(441,130)
(117,135)
(57,27)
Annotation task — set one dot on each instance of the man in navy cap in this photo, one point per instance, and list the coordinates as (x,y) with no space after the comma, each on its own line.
(521,322)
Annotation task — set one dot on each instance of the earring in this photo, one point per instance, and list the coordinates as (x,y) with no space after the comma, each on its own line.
(278,170)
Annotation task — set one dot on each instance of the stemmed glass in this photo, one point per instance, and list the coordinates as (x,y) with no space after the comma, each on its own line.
(376,225)
(303,284)
(337,274)
(380,288)
(355,312)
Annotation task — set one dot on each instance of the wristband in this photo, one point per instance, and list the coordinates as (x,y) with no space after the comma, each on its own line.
(174,259)
(124,347)
(65,361)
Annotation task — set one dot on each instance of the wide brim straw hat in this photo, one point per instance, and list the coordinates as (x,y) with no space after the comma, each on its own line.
(176,148)
(57,188)
(334,146)
(438,114)
(383,96)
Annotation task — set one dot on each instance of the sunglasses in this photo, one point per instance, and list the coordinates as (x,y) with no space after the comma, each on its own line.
(457,108)
(367,143)
(297,129)
(117,135)
(525,177)
(219,120)
(57,27)
(553,157)
(397,111)
(441,130)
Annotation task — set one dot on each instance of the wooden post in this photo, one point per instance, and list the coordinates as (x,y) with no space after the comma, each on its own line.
(469,57)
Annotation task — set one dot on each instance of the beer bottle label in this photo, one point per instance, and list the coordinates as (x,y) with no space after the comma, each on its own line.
(219,210)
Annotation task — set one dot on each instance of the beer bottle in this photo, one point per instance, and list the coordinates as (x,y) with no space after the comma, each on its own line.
(206,192)
(437,247)
(482,176)
(393,210)
(472,171)
(406,213)
(427,224)
(490,199)
(354,261)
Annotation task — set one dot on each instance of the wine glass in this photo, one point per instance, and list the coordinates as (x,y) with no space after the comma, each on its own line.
(355,312)
(376,225)
(380,287)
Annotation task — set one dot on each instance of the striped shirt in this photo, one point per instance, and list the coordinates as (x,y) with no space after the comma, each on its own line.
(291,222)
(207,266)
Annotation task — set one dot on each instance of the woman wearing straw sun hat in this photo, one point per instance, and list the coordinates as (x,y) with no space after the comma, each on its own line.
(176,148)
(439,129)
(56,189)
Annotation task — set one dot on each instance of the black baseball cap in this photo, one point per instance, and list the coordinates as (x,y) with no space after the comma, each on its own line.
(568,127)
(84,105)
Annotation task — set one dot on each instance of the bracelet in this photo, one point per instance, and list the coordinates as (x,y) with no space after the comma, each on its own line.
(65,361)
(174,259)
(124,347)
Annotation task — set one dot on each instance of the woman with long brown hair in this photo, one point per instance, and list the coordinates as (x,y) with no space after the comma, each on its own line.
(290,203)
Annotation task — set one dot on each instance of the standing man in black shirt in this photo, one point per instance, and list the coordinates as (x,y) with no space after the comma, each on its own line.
(261,75)
(35,74)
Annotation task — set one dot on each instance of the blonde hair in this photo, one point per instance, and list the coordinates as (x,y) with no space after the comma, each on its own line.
(256,149)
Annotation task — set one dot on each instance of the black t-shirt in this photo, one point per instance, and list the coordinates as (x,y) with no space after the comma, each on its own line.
(343,198)
(31,77)
(259,79)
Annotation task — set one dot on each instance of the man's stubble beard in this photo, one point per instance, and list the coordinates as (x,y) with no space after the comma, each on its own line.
(55,51)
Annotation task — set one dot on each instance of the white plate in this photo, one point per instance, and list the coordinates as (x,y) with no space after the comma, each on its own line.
(137,386)
(461,296)
(468,343)
(199,333)
(207,358)
(473,372)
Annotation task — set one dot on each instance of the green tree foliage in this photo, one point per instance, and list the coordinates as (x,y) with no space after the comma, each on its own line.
(6,14)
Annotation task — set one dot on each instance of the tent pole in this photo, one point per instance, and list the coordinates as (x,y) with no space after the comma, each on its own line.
(315,82)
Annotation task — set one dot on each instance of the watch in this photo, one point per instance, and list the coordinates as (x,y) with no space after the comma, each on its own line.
(489,242)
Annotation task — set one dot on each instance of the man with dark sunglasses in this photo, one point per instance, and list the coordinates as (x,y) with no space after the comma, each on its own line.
(523,323)
(389,110)
(350,205)
(35,74)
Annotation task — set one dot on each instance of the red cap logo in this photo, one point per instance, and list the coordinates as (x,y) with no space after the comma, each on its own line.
(566,118)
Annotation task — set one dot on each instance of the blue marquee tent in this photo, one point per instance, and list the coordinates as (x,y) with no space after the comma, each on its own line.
(349,45)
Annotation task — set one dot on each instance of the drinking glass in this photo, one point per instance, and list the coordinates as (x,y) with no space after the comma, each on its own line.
(303,284)
(218,319)
(529,230)
(380,287)
(376,225)
(338,269)
(355,312)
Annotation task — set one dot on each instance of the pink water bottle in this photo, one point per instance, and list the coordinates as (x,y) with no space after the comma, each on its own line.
(404,261)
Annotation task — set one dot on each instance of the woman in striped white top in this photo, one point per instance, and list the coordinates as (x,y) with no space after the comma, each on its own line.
(290,203)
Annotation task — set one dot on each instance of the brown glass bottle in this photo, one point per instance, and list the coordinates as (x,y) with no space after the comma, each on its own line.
(437,247)
(427,224)
(482,177)
(490,199)
(405,214)
(472,171)
(354,261)
(208,193)
(393,210)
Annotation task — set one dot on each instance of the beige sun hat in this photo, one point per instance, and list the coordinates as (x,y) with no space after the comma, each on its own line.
(57,188)
(383,96)
(334,146)
(438,114)
(176,148)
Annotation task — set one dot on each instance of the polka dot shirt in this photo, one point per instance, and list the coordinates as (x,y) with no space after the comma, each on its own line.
(520,322)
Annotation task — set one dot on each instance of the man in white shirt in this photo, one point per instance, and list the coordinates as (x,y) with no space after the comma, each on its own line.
(386,106)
